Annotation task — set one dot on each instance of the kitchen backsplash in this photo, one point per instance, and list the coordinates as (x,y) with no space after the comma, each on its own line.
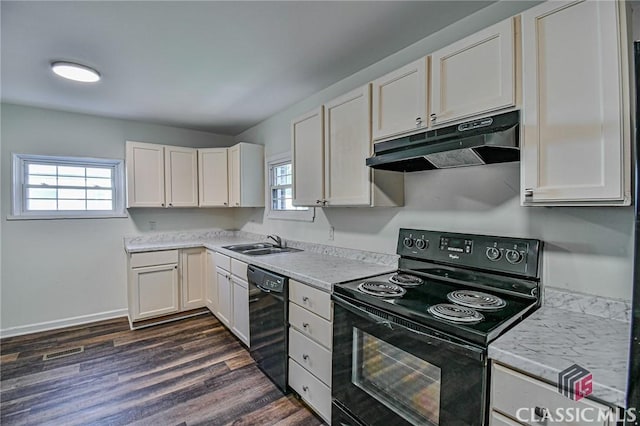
(619,310)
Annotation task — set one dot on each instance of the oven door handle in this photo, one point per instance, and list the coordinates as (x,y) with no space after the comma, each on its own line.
(461,348)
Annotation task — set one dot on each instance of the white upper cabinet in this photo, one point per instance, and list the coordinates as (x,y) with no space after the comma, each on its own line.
(246,175)
(475,75)
(180,176)
(347,144)
(161,176)
(400,100)
(576,130)
(213,182)
(145,174)
(308,158)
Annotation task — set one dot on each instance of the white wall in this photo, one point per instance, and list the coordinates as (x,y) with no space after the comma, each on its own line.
(588,249)
(53,270)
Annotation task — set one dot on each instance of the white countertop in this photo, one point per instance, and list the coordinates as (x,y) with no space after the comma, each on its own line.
(552,339)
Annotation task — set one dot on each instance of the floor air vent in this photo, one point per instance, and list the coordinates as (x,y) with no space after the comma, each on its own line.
(63,353)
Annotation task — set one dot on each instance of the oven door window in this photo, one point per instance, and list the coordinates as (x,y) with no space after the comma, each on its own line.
(401,381)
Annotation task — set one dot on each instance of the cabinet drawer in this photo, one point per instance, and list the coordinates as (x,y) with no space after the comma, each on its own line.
(313,391)
(511,391)
(152,258)
(223,262)
(310,355)
(498,419)
(239,269)
(311,325)
(317,301)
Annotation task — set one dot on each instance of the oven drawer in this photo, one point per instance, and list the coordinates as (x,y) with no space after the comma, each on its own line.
(498,419)
(311,325)
(311,390)
(223,262)
(310,355)
(511,391)
(317,301)
(153,258)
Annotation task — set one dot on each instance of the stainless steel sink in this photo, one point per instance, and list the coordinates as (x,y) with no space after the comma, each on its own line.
(259,249)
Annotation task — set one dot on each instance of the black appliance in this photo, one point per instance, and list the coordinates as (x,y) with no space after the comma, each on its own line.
(268,318)
(633,393)
(411,347)
(483,141)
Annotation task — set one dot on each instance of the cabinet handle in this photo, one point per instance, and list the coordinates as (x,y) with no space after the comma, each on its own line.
(528,193)
(175,267)
(226,204)
(305,388)
(305,357)
(418,122)
(305,325)
(433,117)
(170,204)
(305,298)
(162,204)
(540,412)
(318,201)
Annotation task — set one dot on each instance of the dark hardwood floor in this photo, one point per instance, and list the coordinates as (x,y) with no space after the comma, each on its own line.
(187,372)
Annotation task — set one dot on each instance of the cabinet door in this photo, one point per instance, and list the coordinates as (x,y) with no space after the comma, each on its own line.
(400,100)
(181,176)
(235,176)
(308,158)
(192,269)
(575,88)
(240,325)
(155,291)
(213,182)
(347,131)
(145,174)
(225,302)
(211,290)
(474,75)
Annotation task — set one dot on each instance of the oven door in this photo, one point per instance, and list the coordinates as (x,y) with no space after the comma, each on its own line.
(390,374)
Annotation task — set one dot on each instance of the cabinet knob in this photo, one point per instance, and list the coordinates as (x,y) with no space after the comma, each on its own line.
(237,204)
(305,298)
(305,325)
(318,201)
(162,204)
(226,204)
(433,117)
(528,193)
(418,121)
(175,267)
(305,388)
(170,204)
(305,357)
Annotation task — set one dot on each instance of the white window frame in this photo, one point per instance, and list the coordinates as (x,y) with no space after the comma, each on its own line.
(297,215)
(18,200)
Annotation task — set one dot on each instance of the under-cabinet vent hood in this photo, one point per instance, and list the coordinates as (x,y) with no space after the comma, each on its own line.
(484,141)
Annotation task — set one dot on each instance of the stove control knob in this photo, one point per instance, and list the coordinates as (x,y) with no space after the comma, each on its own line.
(407,242)
(422,244)
(493,254)
(513,256)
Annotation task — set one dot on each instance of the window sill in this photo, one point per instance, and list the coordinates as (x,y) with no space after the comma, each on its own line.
(53,217)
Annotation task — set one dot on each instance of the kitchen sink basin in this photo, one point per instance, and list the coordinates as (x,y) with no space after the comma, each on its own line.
(259,249)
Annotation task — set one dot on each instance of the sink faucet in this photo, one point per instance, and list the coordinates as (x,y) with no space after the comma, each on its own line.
(276,239)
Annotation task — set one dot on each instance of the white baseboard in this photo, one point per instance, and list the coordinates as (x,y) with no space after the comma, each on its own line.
(67,322)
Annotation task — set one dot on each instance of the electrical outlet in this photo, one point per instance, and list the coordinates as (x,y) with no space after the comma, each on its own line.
(331,233)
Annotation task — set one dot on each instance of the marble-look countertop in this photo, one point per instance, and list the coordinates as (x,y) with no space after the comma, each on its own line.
(552,339)
(313,265)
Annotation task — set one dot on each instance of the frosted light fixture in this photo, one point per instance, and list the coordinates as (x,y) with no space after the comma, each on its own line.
(75,72)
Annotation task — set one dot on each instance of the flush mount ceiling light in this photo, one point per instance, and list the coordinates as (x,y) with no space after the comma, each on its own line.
(75,72)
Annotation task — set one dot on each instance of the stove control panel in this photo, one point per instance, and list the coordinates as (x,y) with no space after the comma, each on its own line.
(501,254)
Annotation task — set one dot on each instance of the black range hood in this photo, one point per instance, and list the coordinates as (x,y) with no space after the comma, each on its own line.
(484,141)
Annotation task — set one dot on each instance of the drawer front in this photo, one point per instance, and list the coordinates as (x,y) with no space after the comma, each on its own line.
(313,391)
(239,269)
(311,325)
(223,262)
(317,301)
(310,355)
(512,391)
(153,258)
(498,419)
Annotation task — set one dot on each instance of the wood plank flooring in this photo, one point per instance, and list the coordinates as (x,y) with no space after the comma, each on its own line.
(188,372)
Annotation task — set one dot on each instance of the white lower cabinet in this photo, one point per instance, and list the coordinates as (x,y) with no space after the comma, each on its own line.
(193,277)
(154,291)
(211,287)
(240,326)
(310,336)
(520,399)
(225,300)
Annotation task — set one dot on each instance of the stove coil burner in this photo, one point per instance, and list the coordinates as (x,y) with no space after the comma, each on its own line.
(381,289)
(455,313)
(476,300)
(406,280)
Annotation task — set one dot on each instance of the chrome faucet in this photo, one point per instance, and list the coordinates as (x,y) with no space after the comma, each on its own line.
(277,240)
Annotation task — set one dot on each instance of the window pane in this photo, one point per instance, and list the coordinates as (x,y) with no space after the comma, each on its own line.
(99,182)
(99,205)
(71,171)
(41,204)
(42,193)
(99,194)
(42,180)
(73,194)
(41,169)
(71,205)
(71,181)
(98,172)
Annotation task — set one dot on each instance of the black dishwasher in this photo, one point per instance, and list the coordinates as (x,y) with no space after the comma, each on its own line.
(268,318)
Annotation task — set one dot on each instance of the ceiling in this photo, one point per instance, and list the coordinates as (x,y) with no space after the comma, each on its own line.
(215,66)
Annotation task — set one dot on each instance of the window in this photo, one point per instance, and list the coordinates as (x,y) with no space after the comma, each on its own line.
(281,191)
(47,187)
